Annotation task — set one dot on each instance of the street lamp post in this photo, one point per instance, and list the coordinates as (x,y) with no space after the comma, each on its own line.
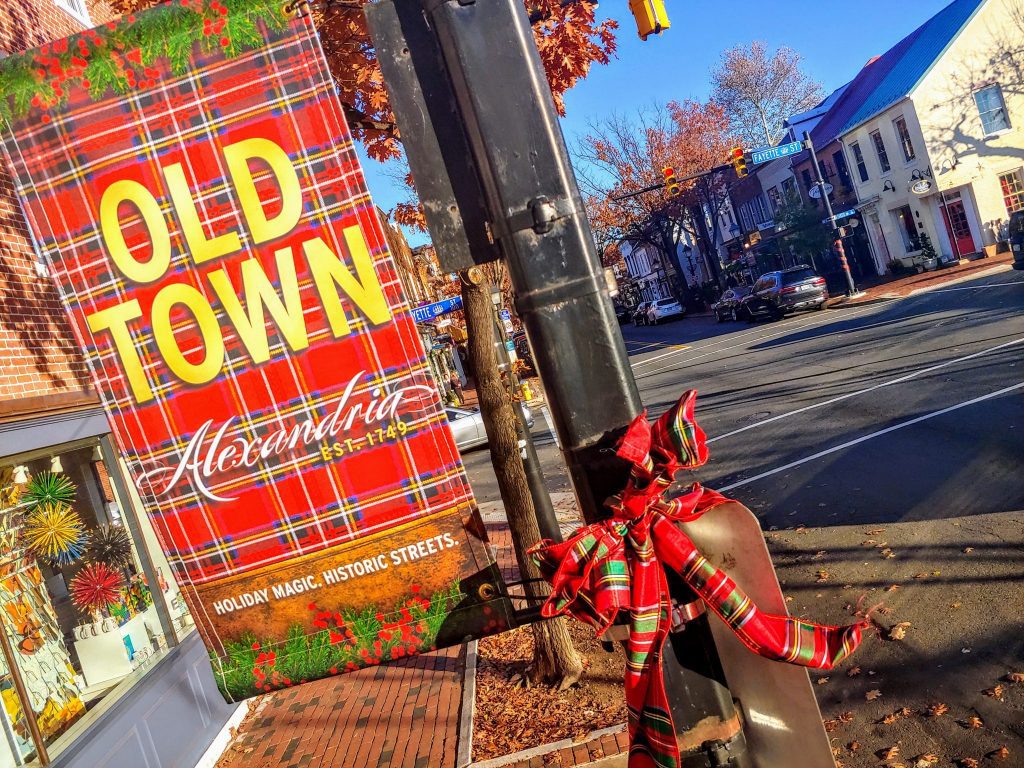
(837,238)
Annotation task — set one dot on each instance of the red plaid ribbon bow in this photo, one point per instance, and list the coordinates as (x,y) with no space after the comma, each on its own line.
(618,564)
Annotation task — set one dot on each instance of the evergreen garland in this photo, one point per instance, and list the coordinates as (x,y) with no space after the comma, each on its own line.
(125,56)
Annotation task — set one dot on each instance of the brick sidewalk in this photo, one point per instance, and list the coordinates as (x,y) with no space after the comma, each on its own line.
(904,286)
(401,715)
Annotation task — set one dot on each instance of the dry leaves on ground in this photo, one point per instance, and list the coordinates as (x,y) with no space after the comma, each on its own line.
(853,671)
(822,575)
(998,754)
(972,722)
(938,709)
(996,691)
(892,588)
(967,762)
(925,760)
(873,694)
(822,680)
(1015,677)
(892,717)
(888,753)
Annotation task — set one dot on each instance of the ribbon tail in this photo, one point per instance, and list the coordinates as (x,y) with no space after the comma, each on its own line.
(780,638)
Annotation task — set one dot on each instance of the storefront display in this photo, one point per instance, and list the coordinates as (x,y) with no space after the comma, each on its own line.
(78,610)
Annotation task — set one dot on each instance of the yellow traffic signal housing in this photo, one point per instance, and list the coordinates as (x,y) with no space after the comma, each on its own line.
(671,185)
(650,17)
(738,159)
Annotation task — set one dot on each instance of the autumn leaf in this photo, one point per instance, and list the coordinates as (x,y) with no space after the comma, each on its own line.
(876,531)
(888,753)
(822,680)
(998,754)
(846,717)
(892,588)
(853,671)
(853,746)
(888,554)
(819,555)
(925,760)
(972,722)
(967,762)
(899,631)
(873,694)
(968,550)
(1015,677)
(996,692)
(938,709)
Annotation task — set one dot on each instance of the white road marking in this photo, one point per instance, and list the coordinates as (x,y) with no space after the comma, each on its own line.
(889,383)
(785,330)
(815,321)
(976,287)
(879,433)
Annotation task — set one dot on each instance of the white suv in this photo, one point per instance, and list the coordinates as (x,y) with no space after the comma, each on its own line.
(663,308)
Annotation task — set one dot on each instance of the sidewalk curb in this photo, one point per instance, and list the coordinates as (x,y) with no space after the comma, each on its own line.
(994,270)
(227,734)
(464,754)
(543,749)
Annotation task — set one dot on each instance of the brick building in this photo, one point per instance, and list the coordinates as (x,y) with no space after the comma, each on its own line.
(135,688)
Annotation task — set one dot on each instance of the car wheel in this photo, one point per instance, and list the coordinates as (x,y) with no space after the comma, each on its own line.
(820,307)
(719,318)
(732,315)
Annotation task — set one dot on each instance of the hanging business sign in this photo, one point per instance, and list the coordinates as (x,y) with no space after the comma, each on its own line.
(921,186)
(189,176)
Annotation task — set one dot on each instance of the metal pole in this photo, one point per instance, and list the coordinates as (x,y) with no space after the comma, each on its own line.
(547,522)
(838,241)
(538,216)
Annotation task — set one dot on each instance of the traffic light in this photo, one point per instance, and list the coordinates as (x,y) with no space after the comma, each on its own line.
(671,185)
(650,17)
(738,159)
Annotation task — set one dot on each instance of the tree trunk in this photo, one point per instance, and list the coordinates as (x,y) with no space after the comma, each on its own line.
(555,660)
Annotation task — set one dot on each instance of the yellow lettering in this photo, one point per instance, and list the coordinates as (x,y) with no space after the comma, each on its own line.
(251,322)
(128,191)
(163,332)
(115,320)
(238,155)
(200,247)
(329,274)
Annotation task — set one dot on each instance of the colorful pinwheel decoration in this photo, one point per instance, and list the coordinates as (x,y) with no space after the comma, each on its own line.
(96,585)
(55,532)
(112,545)
(51,488)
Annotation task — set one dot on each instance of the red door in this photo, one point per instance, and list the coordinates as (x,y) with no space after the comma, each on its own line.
(957,228)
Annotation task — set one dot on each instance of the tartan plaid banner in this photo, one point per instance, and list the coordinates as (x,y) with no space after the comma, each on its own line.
(191,181)
(619,565)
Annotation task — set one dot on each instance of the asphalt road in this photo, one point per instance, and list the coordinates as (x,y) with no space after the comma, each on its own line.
(907,410)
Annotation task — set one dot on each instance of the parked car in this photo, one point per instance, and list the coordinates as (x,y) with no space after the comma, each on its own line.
(468,426)
(728,304)
(640,315)
(663,309)
(778,293)
(1017,239)
(623,313)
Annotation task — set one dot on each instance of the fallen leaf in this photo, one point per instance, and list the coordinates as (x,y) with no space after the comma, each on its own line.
(892,588)
(819,555)
(923,761)
(967,762)
(938,709)
(831,724)
(996,692)
(998,754)
(888,553)
(846,717)
(1015,677)
(853,746)
(823,575)
(889,753)
(853,671)
(972,722)
(891,718)
(821,680)
(875,532)
(873,694)
(899,631)
(905,711)
(920,575)
(955,605)
(968,550)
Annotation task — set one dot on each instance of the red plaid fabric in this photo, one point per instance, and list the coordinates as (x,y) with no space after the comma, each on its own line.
(618,565)
(286,505)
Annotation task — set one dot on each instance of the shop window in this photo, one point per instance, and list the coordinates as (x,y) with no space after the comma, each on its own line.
(775,199)
(904,219)
(1013,191)
(883,156)
(842,170)
(858,158)
(992,109)
(81,616)
(789,190)
(903,134)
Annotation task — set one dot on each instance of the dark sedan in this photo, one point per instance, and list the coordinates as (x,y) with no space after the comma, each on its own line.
(728,305)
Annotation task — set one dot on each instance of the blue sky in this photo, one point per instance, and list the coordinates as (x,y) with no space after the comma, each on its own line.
(676,64)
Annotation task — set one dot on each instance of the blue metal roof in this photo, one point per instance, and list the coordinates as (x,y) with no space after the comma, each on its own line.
(911,59)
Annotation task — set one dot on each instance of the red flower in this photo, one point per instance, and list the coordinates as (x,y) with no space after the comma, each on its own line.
(334,670)
(255,646)
(414,588)
(379,617)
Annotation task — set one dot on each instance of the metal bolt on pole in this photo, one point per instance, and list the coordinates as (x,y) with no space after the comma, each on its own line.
(837,240)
